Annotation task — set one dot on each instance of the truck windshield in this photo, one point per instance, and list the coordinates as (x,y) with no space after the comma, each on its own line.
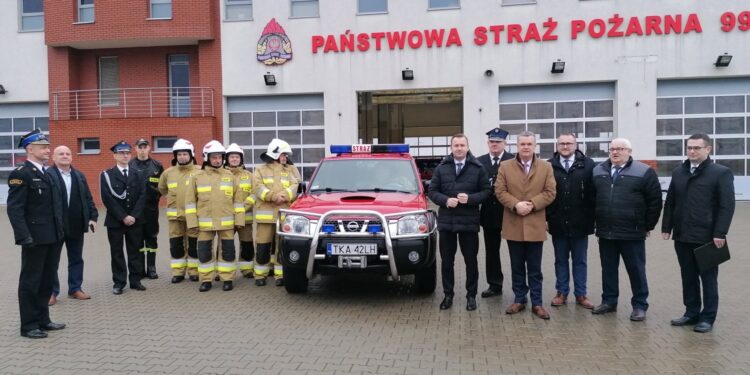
(365,175)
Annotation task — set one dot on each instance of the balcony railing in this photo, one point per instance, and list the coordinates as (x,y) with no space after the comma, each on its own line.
(133,102)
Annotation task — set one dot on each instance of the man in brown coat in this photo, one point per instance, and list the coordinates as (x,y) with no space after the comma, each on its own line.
(525,186)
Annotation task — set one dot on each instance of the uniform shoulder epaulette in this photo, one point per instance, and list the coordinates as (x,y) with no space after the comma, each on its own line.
(20,167)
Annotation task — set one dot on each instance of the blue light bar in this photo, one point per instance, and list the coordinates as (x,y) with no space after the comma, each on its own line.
(374,228)
(329,228)
(400,148)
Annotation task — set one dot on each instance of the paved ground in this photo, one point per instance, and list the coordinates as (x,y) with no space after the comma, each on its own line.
(359,325)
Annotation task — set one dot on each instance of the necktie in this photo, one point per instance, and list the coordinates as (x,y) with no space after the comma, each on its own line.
(567,164)
(616,173)
(125,172)
(526,167)
(692,169)
(495,160)
(459,166)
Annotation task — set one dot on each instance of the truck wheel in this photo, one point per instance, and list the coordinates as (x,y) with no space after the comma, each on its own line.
(295,280)
(425,279)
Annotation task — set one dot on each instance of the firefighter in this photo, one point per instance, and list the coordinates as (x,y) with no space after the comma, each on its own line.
(216,194)
(275,186)
(173,184)
(151,170)
(236,164)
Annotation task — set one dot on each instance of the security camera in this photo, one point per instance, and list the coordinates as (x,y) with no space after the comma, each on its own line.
(489,72)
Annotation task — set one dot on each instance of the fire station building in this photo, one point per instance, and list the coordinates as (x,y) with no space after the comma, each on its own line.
(317,72)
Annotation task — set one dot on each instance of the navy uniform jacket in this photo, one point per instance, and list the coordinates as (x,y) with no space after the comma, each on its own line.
(491,212)
(133,201)
(34,206)
(151,170)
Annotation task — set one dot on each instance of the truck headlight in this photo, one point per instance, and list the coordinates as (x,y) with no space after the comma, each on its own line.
(412,224)
(296,224)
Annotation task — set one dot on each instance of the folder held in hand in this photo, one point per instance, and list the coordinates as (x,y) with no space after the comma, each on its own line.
(709,256)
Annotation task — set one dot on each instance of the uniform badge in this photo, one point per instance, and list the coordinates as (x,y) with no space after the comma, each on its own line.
(15,182)
(274,46)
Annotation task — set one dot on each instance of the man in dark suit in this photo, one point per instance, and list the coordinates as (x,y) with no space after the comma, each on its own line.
(491,213)
(123,195)
(79,214)
(35,213)
(459,185)
(698,210)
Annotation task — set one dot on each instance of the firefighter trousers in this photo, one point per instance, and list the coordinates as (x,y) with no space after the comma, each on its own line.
(265,256)
(210,262)
(247,250)
(180,239)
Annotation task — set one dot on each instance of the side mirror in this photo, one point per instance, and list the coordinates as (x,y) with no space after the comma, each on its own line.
(302,187)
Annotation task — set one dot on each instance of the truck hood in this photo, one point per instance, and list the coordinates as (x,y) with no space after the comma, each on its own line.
(384,203)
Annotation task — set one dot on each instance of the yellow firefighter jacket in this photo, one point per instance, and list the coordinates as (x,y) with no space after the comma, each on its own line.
(173,184)
(269,180)
(245,184)
(214,193)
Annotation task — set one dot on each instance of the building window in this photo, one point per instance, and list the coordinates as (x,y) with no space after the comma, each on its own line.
(179,85)
(443,4)
(372,6)
(304,8)
(32,15)
(164,144)
(161,9)
(238,10)
(85,11)
(109,81)
(88,145)
(518,2)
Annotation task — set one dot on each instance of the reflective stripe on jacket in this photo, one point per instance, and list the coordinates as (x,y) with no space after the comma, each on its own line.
(245,184)
(173,184)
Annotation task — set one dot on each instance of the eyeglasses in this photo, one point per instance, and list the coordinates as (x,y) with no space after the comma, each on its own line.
(695,148)
(618,149)
(566,144)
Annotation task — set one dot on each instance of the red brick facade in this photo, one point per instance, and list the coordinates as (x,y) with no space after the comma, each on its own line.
(194,30)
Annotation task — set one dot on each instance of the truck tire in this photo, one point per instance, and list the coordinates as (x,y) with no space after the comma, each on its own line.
(295,280)
(425,279)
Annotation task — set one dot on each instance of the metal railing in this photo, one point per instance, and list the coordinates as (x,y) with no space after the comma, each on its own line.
(133,102)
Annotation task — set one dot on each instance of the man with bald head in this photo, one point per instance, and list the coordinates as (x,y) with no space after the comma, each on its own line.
(79,215)
(627,208)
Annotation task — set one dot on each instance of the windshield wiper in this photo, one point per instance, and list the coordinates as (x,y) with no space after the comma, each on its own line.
(328,190)
(381,190)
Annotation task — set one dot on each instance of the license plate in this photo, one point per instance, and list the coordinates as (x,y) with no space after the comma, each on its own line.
(352,249)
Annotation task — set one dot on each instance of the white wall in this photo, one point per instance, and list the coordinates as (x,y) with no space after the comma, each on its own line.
(23,59)
(634,63)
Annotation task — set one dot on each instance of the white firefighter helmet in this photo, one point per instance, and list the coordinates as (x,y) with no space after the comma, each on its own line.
(213,147)
(275,149)
(182,145)
(235,148)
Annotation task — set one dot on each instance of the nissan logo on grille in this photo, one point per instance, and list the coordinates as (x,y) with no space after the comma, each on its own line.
(352,226)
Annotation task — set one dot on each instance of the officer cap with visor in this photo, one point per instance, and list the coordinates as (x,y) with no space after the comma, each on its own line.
(121,146)
(35,137)
(497,134)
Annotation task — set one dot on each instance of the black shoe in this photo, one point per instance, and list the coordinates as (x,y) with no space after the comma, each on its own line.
(193,278)
(117,290)
(34,334)
(177,279)
(703,327)
(260,282)
(447,303)
(471,303)
(279,282)
(52,326)
(151,273)
(138,286)
(205,287)
(684,321)
(227,286)
(491,292)
(638,315)
(603,309)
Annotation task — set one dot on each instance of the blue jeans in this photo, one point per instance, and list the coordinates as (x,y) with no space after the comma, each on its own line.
(633,253)
(575,248)
(75,266)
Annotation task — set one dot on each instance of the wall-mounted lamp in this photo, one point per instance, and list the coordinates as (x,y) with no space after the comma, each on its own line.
(270,79)
(407,74)
(723,60)
(2,90)
(558,67)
